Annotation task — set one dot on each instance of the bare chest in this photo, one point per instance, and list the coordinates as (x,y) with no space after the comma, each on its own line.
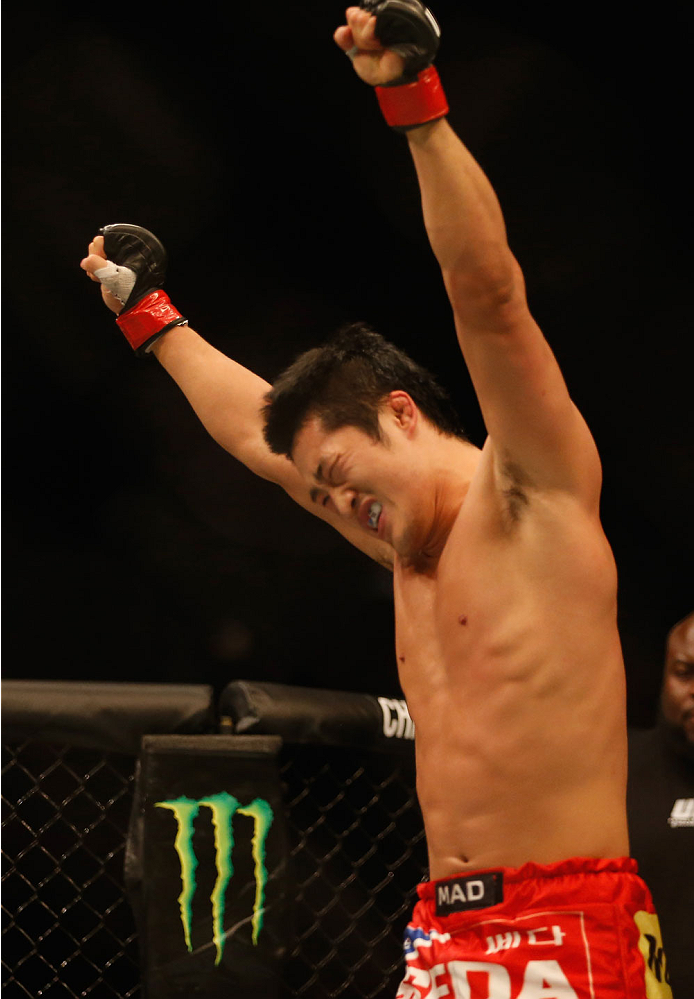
(453,620)
(501,606)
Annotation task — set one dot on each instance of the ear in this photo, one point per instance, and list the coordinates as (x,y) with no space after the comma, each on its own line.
(402,409)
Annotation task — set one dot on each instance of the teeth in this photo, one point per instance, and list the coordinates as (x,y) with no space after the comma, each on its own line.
(374,514)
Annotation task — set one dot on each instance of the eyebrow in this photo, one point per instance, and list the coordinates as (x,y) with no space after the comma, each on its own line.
(320,477)
(326,469)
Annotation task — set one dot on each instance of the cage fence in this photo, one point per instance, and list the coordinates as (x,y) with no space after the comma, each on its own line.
(68,929)
(356,852)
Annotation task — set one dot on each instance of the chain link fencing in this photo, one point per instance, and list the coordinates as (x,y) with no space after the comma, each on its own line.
(357,851)
(68,930)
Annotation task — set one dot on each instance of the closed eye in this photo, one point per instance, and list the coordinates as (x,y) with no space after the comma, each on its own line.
(319,497)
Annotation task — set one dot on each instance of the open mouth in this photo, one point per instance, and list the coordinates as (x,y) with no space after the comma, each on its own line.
(374,515)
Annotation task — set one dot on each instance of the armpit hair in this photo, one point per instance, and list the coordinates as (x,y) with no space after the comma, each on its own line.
(515,490)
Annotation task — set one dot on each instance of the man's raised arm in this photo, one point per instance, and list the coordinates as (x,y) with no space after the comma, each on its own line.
(227,397)
(537,433)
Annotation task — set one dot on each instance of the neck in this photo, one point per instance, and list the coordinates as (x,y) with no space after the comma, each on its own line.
(452,465)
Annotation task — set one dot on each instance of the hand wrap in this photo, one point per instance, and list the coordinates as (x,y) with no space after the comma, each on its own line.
(410,29)
(147,311)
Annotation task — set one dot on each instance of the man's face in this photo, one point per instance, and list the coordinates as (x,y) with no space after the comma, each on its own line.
(678,683)
(373,483)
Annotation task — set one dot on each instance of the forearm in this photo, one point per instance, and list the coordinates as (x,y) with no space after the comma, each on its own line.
(226,397)
(462,214)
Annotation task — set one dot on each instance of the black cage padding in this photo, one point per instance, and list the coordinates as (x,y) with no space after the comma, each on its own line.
(303,715)
(108,716)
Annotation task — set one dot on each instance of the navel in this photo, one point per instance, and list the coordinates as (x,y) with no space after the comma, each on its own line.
(462,619)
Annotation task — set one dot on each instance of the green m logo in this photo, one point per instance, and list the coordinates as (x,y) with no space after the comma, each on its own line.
(223,807)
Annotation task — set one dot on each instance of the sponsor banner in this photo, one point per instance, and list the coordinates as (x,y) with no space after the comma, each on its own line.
(212,856)
(397,723)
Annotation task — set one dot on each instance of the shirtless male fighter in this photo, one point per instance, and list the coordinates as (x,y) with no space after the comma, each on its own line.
(504,582)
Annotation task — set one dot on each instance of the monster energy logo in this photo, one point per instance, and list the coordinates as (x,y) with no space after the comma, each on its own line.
(223,807)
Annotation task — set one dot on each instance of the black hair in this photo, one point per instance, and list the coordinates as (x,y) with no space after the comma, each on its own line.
(344,382)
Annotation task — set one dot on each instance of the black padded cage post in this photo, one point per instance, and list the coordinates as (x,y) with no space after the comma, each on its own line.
(206,867)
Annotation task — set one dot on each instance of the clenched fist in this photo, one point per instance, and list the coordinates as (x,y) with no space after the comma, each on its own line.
(373,63)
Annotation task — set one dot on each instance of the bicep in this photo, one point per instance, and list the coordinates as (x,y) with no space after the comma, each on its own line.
(538,433)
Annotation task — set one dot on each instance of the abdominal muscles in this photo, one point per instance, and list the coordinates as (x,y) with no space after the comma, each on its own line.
(511,787)
(520,732)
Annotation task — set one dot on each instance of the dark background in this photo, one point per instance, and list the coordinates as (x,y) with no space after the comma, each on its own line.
(135,548)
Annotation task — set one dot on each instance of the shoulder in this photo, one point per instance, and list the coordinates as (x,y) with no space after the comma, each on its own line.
(532,513)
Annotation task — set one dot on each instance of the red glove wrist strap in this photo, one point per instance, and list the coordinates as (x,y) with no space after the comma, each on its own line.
(416,103)
(148,319)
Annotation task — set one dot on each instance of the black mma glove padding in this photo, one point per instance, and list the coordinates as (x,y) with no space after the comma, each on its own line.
(408,28)
(140,250)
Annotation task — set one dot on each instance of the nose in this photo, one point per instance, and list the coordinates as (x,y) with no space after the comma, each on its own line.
(345,499)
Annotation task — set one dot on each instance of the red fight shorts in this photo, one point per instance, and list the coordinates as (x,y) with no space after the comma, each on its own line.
(579,929)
